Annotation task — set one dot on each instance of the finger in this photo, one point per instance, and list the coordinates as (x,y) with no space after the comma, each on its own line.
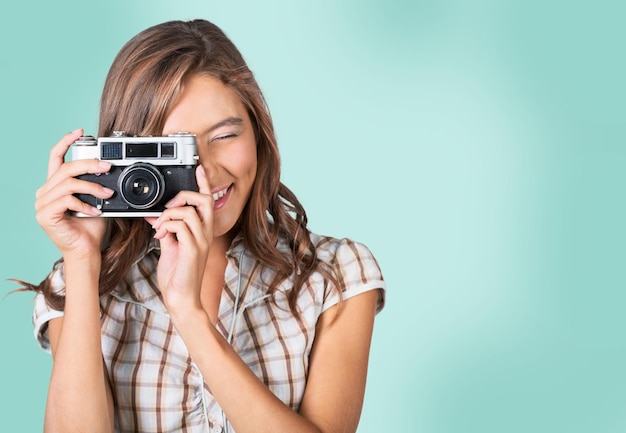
(189,217)
(174,233)
(166,241)
(190,198)
(187,214)
(151,220)
(203,203)
(57,153)
(202,180)
(190,238)
(57,210)
(73,169)
(71,186)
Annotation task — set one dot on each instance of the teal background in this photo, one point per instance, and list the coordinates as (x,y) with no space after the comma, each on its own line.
(477,147)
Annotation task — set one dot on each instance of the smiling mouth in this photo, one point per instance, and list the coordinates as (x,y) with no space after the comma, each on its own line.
(219,194)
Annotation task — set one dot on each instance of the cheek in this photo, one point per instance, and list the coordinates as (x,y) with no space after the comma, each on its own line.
(237,159)
(244,161)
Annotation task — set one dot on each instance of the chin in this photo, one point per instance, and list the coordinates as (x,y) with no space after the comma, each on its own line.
(220,230)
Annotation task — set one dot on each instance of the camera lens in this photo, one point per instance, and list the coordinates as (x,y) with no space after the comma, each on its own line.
(141,185)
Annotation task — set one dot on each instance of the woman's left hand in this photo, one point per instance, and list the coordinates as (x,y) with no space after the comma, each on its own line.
(185,232)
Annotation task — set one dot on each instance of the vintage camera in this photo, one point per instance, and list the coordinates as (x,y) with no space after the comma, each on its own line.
(146,172)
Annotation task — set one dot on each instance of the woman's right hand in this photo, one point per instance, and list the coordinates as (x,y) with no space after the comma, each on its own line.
(73,236)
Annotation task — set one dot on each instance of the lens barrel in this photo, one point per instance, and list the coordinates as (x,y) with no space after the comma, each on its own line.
(141,185)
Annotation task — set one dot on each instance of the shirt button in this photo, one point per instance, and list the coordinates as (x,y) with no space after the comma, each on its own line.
(218,429)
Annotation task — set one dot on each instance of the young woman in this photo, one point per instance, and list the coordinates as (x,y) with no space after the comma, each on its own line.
(224,313)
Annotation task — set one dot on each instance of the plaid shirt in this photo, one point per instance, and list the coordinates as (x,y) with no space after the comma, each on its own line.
(156,385)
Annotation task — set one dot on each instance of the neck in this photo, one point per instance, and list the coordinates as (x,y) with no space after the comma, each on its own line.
(219,246)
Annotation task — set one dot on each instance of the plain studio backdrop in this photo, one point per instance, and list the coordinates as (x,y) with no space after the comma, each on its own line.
(477,147)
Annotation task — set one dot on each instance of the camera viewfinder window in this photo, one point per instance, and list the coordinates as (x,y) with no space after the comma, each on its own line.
(167,150)
(111,150)
(142,150)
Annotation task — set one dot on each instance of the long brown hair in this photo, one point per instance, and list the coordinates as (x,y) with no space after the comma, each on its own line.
(144,82)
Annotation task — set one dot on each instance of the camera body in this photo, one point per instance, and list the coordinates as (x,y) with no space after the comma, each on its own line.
(146,172)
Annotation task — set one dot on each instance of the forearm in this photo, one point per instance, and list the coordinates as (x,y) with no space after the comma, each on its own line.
(79,394)
(249,405)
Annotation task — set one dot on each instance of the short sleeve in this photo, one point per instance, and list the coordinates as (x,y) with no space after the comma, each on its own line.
(357,271)
(43,313)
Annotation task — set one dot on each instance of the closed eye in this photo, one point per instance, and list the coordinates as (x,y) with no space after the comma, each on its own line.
(235,124)
(224,137)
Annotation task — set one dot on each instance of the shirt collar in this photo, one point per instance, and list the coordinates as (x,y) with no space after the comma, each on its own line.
(238,256)
(236,246)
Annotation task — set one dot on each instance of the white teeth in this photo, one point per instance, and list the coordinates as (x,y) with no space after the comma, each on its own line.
(218,195)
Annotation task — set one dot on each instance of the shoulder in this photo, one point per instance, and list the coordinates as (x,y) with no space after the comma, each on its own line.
(341,254)
(353,265)
(342,251)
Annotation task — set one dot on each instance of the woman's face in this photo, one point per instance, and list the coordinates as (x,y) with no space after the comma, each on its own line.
(226,144)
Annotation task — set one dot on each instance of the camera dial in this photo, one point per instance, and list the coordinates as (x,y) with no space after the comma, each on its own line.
(86,140)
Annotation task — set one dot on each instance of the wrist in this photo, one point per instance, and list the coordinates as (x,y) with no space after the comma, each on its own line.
(82,282)
(82,267)
(91,259)
(184,316)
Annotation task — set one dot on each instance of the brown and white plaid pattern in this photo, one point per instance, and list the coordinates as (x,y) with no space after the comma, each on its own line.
(157,386)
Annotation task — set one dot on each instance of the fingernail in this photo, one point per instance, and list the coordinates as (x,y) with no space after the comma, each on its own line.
(76,131)
(107,190)
(95,211)
(105,164)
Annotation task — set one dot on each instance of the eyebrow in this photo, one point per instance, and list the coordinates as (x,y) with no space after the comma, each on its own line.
(237,121)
